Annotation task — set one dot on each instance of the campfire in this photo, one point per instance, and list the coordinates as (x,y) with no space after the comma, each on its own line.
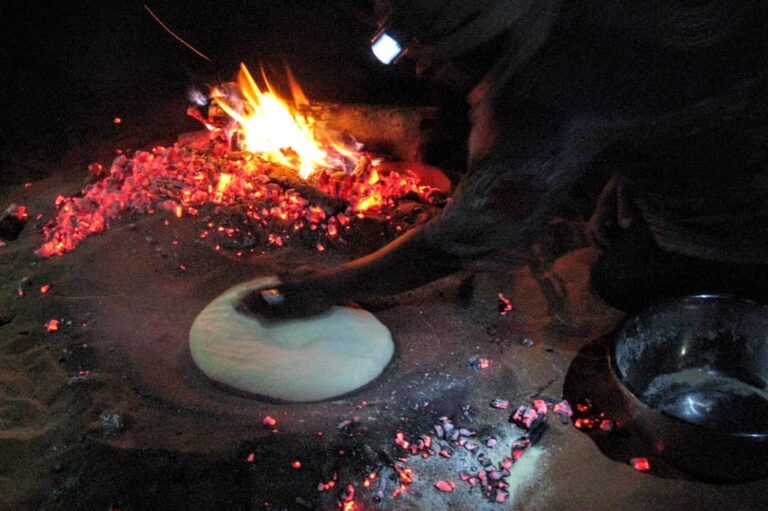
(264,173)
(260,158)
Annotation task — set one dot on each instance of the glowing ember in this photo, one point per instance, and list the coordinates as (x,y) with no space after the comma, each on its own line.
(269,421)
(52,325)
(296,464)
(369,479)
(505,306)
(563,408)
(183,179)
(20,213)
(405,475)
(641,464)
(45,288)
(347,498)
(328,485)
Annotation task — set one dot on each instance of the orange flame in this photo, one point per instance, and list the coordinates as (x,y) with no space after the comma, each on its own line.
(270,126)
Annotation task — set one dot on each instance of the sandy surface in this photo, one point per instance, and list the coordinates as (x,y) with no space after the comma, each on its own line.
(126,307)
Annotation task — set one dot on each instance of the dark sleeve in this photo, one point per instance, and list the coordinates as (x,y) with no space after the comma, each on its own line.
(517,187)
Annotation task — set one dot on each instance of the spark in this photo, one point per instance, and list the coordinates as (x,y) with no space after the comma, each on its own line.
(182,41)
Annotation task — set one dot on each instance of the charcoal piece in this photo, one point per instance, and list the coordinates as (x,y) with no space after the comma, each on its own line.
(6,317)
(111,424)
(304,503)
(499,403)
(537,431)
(12,222)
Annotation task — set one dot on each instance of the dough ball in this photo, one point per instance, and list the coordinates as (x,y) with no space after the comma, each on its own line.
(307,359)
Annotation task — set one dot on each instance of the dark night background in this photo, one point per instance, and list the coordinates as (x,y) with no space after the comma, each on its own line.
(70,67)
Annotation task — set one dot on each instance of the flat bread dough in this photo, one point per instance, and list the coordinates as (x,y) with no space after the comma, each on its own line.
(307,359)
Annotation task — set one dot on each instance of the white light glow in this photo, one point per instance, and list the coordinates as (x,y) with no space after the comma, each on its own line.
(386,49)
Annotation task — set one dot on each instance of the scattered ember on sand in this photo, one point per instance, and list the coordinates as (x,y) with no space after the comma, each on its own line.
(370,478)
(329,485)
(563,408)
(20,212)
(499,403)
(52,325)
(588,418)
(269,421)
(540,406)
(448,438)
(525,416)
(251,458)
(640,464)
(45,288)
(296,464)
(505,306)
(477,363)
(346,500)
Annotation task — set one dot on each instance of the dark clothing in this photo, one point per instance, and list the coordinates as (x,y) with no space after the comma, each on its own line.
(672,94)
(635,273)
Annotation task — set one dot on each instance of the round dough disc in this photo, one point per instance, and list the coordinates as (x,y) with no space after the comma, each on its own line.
(307,359)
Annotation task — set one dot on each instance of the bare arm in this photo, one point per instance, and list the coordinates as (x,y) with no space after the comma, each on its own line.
(408,262)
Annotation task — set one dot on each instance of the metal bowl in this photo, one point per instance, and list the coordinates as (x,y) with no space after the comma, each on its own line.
(694,372)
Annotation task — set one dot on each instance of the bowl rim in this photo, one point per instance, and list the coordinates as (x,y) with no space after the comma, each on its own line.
(614,339)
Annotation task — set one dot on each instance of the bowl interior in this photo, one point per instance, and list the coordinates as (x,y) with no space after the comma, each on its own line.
(702,359)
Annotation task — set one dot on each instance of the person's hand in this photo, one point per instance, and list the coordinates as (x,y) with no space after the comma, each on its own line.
(299,294)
